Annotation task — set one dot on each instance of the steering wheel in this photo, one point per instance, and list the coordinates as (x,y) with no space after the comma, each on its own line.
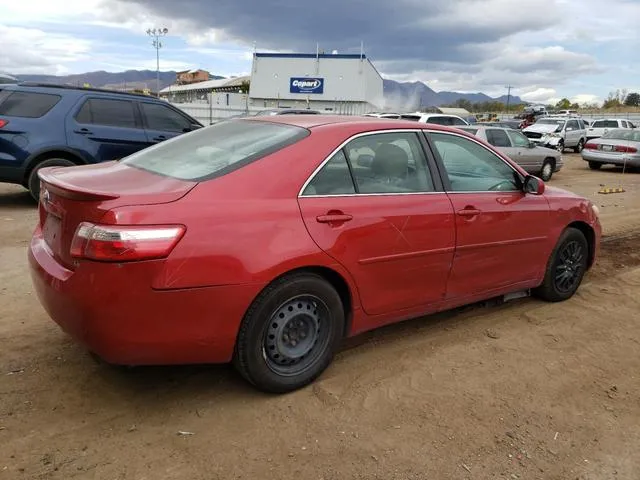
(498,186)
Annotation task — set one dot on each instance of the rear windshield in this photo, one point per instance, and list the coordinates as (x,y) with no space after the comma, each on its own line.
(605,124)
(215,150)
(623,134)
(26,104)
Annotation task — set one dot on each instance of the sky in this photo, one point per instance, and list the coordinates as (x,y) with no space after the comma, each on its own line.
(544,49)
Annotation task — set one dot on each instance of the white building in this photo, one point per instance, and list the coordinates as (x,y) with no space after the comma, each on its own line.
(337,83)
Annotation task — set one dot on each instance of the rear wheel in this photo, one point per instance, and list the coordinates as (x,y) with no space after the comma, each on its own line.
(33,181)
(595,165)
(578,148)
(290,333)
(547,170)
(566,267)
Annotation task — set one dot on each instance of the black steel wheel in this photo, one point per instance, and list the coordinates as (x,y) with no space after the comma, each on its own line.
(290,333)
(566,267)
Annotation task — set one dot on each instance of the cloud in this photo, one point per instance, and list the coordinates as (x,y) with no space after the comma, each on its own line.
(30,50)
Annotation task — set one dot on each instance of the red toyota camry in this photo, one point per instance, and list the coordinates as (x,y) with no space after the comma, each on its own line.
(265,241)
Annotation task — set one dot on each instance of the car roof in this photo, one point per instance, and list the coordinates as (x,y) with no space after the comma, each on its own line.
(55,88)
(375,123)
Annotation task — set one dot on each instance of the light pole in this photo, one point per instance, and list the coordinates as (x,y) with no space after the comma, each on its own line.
(156,33)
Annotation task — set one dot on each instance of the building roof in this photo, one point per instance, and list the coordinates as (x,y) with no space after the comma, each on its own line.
(207,85)
(454,111)
(311,55)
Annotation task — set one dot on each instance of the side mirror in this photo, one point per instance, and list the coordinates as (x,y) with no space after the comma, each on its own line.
(570,129)
(192,127)
(533,185)
(532,144)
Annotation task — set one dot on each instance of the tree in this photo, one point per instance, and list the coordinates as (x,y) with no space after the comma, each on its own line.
(244,86)
(632,100)
(564,104)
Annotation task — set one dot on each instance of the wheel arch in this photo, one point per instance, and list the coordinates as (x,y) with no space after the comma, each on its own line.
(61,152)
(590,235)
(336,280)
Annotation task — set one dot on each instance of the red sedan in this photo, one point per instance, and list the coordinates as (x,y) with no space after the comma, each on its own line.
(265,241)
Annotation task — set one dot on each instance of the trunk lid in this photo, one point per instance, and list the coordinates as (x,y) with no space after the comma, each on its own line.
(71,195)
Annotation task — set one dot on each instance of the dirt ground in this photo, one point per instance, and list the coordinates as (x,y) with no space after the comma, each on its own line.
(524,390)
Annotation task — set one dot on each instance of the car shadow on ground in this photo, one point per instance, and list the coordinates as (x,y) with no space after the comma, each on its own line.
(17,200)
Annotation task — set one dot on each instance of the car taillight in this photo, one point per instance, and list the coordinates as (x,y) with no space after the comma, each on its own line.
(626,149)
(3,123)
(124,243)
(591,146)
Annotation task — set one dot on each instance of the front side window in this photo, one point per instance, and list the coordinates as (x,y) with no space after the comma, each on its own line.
(518,139)
(26,104)
(473,168)
(215,150)
(457,121)
(163,118)
(389,163)
(107,112)
(497,138)
(572,125)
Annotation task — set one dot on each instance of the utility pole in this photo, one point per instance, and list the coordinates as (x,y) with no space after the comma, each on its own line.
(156,33)
(508,87)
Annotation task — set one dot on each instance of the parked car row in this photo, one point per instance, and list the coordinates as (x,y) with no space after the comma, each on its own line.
(618,147)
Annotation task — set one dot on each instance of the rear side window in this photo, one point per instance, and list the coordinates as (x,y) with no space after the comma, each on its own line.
(605,124)
(161,117)
(108,112)
(439,120)
(216,150)
(26,104)
(413,118)
(457,121)
(497,138)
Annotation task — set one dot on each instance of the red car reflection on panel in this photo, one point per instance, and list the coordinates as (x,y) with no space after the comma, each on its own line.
(265,241)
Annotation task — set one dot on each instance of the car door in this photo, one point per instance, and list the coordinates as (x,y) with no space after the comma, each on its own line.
(376,208)
(572,133)
(501,232)
(162,122)
(529,156)
(105,128)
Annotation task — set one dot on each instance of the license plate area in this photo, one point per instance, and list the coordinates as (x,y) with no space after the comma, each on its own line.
(607,148)
(52,232)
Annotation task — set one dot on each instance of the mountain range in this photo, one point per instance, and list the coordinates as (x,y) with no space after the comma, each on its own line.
(398,95)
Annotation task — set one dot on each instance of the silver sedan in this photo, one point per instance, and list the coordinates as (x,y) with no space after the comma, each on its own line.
(616,147)
(533,159)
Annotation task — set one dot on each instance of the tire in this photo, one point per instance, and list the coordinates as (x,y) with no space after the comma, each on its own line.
(566,267)
(33,182)
(560,146)
(546,172)
(578,148)
(290,333)
(595,165)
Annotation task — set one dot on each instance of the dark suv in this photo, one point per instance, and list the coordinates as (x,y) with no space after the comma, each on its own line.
(52,125)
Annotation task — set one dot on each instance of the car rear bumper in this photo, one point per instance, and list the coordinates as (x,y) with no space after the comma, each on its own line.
(112,310)
(611,158)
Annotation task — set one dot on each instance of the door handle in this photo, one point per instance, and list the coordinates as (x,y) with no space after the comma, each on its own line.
(334,218)
(159,138)
(469,212)
(83,131)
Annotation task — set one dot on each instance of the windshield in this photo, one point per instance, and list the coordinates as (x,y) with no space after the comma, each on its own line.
(550,121)
(215,150)
(623,134)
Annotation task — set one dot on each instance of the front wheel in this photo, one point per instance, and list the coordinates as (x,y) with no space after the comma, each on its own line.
(566,267)
(33,182)
(290,333)
(547,170)
(560,146)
